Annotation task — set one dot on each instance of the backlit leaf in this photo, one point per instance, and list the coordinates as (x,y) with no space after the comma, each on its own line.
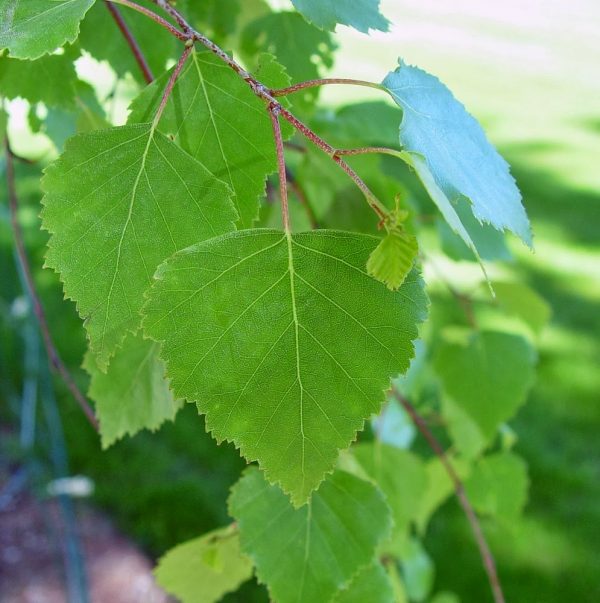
(339,529)
(133,394)
(251,326)
(117,203)
(204,569)
(393,258)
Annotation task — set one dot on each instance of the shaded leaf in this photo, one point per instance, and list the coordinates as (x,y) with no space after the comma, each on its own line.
(462,161)
(522,301)
(117,203)
(214,116)
(371,584)
(251,325)
(133,394)
(488,376)
(36,27)
(339,529)
(360,14)
(204,569)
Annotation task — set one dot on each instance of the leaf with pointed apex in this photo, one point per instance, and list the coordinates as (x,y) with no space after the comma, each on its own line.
(36,81)
(400,475)
(488,376)
(117,203)
(215,117)
(101,37)
(36,27)
(498,486)
(393,258)
(133,394)
(339,529)
(371,584)
(462,161)
(363,15)
(204,569)
(285,342)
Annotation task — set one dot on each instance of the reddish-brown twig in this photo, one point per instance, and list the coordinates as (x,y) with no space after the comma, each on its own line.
(484,550)
(131,41)
(324,82)
(152,15)
(53,355)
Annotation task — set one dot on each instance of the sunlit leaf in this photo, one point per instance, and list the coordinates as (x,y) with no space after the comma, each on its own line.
(360,14)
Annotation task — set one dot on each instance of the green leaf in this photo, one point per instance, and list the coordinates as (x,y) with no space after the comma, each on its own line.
(466,434)
(339,530)
(32,28)
(101,37)
(488,376)
(370,585)
(498,486)
(3,123)
(285,342)
(37,81)
(304,50)
(391,261)
(525,303)
(360,14)
(462,161)
(445,597)
(401,476)
(216,18)
(204,569)
(439,487)
(133,394)
(117,203)
(417,571)
(214,116)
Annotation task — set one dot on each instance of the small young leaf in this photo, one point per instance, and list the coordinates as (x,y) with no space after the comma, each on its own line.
(204,569)
(438,128)
(360,14)
(32,28)
(117,203)
(285,342)
(498,486)
(488,377)
(133,394)
(370,585)
(215,117)
(392,259)
(306,555)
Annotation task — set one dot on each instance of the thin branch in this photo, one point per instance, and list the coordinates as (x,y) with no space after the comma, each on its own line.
(152,15)
(484,550)
(285,213)
(53,355)
(131,41)
(171,83)
(323,82)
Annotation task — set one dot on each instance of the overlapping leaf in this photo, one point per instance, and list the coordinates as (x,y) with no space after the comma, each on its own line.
(251,326)
(370,584)
(437,129)
(487,377)
(32,28)
(133,394)
(117,203)
(307,554)
(204,569)
(215,117)
(360,14)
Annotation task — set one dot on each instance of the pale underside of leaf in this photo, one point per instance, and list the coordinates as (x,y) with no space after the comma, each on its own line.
(339,530)
(458,155)
(285,342)
(117,203)
(360,14)
(32,28)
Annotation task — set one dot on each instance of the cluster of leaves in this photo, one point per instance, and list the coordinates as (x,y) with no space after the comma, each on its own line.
(167,235)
